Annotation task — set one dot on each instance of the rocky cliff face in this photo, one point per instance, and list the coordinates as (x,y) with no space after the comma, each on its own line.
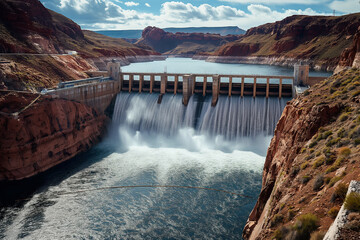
(350,57)
(314,150)
(319,40)
(178,43)
(28,27)
(47,133)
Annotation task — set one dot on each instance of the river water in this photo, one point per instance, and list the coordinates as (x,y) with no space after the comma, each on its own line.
(164,171)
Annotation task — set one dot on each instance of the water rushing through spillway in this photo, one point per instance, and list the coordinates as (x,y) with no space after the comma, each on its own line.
(231,125)
(153,144)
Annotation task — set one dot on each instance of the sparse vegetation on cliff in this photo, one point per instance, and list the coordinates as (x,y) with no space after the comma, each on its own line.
(322,142)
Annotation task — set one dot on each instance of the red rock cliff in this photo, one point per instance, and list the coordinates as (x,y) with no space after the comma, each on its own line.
(350,57)
(306,158)
(317,39)
(49,132)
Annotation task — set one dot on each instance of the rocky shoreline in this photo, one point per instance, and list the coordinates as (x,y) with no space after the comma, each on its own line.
(269,60)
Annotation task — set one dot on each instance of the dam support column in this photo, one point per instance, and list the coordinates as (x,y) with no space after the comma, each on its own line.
(163,84)
(141,82)
(254,88)
(204,85)
(152,79)
(215,89)
(176,81)
(230,86)
(187,88)
(301,74)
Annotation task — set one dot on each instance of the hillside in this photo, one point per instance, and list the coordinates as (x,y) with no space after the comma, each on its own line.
(136,34)
(28,27)
(318,39)
(182,43)
(314,154)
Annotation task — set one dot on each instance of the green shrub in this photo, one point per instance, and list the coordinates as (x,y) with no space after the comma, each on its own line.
(332,142)
(357,141)
(305,225)
(278,218)
(304,165)
(355,133)
(327,179)
(305,179)
(340,192)
(313,143)
(356,93)
(291,214)
(341,133)
(317,236)
(352,202)
(345,151)
(319,181)
(333,212)
(336,165)
(330,158)
(334,180)
(318,162)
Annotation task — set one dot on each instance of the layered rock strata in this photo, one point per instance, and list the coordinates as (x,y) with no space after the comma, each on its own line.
(47,133)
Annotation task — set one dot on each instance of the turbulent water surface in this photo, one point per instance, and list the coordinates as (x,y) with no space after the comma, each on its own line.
(163,146)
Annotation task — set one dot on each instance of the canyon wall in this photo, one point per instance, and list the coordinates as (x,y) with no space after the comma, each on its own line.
(315,148)
(350,57)
(318,40)
(47,133)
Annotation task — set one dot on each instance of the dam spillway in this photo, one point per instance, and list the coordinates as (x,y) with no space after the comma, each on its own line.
(232,120)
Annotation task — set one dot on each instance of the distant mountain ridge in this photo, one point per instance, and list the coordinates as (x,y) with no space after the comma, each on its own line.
(136,34)
(319,39)
(182,43)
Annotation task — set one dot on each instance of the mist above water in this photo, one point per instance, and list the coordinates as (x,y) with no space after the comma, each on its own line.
(235,123)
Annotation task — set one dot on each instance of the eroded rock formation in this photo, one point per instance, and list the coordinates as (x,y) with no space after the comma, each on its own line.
(314,149)
(318,40)
(47,133)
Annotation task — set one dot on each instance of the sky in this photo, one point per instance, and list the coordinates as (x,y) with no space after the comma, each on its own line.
(138,14)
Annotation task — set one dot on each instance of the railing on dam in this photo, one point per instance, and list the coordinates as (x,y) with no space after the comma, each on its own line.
(188,84)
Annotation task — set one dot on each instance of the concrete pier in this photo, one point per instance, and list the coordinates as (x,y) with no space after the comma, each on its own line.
(215,89)
(188,82)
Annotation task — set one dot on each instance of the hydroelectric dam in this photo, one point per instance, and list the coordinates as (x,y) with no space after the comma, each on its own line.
(99,91)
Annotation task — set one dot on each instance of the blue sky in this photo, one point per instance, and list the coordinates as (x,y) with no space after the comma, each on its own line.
(137,14)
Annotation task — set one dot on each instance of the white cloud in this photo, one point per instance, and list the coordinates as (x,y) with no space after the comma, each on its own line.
(181,12)
(283,2)
(148,5)
(79,5)
(106,14)
(345,6)
(131,4)
(260,14)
